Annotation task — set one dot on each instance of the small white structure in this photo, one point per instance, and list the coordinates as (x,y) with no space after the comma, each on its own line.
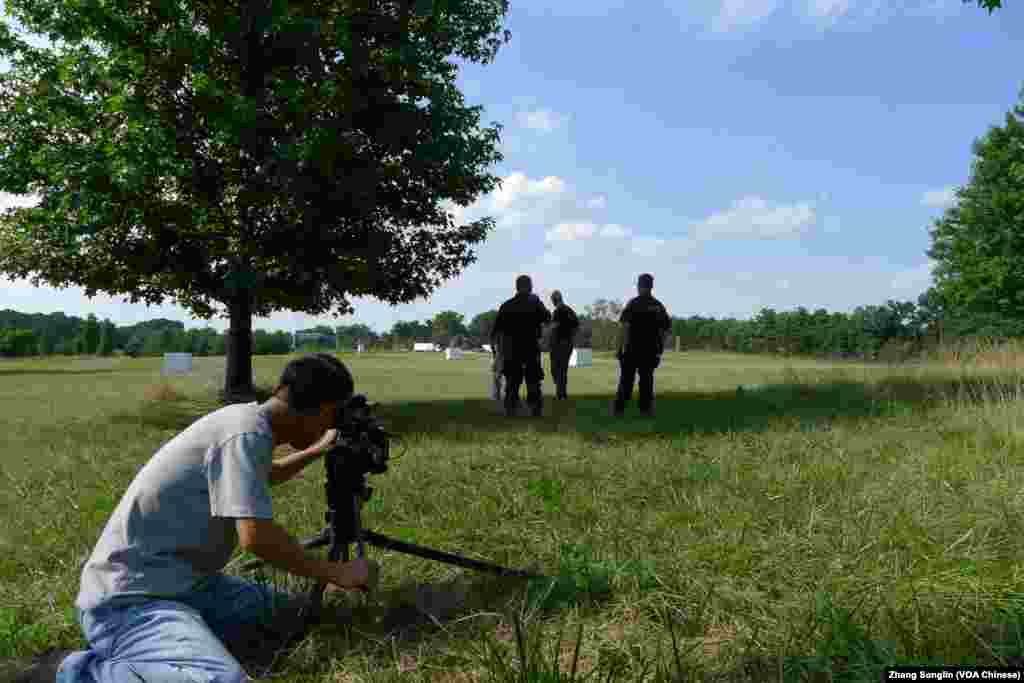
(360,348)
(424,346)
(581,358)
(454,354)
(177,364)
(488,349)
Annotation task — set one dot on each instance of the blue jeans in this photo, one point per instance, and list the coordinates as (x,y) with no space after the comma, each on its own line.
(146,640)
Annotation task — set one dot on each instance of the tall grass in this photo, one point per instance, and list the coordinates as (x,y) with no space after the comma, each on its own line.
(777,520)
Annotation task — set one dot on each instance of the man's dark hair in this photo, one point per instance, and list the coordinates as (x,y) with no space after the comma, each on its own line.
(523,283)
(314,380)
(646,280)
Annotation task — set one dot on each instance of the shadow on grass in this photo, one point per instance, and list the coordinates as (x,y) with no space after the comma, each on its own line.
(676,412)
(806,406)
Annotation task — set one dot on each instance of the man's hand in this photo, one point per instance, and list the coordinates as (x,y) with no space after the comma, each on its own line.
(325,442)
(360,574)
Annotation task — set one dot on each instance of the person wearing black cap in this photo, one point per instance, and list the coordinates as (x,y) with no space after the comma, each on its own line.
(645,322)
(517,331)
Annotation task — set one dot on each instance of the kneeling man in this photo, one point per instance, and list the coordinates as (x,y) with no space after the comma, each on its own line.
(153,602)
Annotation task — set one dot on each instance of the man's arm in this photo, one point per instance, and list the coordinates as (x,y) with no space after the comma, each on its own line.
(624,319)
(268,541)
(496,329)
(283,469)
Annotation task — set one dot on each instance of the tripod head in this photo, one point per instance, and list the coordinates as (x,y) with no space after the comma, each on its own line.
(362,444)
(361,448)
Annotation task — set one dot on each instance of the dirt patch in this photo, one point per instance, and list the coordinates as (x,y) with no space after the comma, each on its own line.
(716,636)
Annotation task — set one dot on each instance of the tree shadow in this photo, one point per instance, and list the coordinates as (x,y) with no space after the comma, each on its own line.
(588,415)
(756,409)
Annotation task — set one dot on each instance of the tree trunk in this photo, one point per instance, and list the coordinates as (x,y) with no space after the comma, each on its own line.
(238,386)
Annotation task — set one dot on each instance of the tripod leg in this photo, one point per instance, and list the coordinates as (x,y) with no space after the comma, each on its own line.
(380,541)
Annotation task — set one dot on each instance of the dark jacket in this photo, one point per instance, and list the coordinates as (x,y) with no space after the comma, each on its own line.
(519,323)
(649,322)
(566,324)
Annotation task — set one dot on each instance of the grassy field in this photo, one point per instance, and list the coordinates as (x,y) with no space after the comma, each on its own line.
(820,522)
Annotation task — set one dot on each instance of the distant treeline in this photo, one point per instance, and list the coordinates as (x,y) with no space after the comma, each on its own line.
(891,331)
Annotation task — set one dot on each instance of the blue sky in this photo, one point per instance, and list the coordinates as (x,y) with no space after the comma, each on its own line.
(748,153)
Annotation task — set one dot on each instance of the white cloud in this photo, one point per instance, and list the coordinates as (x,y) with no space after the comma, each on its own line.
(829,10)
(914,280)
(598,202)
(542,120)
(939,199)
(744,276)
(864,13)
(614,230)
(782,284)
(734,14)
(753,217)
(516,187)
(571,231)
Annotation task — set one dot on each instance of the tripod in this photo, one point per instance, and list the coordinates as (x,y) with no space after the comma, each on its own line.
(345,499)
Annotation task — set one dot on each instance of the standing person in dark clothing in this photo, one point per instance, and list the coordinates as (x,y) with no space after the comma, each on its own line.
(517,332)
(565,325)
(641,343)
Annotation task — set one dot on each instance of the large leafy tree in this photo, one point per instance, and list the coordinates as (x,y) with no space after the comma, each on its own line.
(245,157)
(978,244)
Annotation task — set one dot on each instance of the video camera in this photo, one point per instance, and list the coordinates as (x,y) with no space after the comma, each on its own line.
(362,447)
(362,444)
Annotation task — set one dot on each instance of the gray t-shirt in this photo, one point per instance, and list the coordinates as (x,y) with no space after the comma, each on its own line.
(175,525)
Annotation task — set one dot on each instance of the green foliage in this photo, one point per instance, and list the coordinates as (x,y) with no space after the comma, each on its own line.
(18,342)
(20,635)
(990,5)
(482,324)
(108,333)
(278,342)
(290,165)
(532,662)
(91,335)
(351,335)
(978,244)
(445,326)
(549,491)
(845,652)
(44,347)
(412,330)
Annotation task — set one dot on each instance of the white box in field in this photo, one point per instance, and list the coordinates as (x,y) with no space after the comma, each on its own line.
(424,346)
(454,354)
(177,363)
(581,358)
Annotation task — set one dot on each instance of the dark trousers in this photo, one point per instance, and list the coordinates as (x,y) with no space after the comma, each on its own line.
(629,368)
(561,349)
(520,366)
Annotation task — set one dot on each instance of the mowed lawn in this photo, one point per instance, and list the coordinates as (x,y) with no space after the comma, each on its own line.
(777,517)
